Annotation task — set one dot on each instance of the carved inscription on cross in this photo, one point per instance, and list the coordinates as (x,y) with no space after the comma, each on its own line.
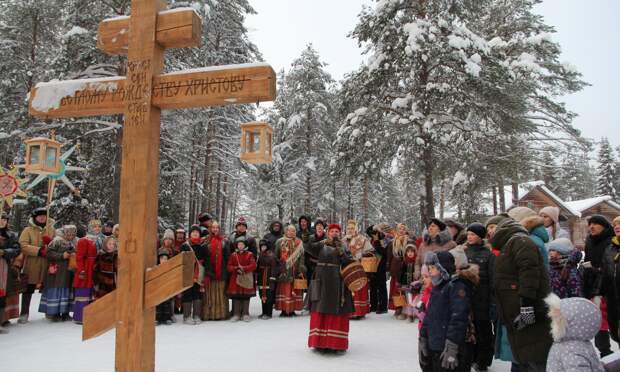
(140,97)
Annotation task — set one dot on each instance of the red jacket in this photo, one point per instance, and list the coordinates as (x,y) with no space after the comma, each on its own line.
(247,262)
(85,257)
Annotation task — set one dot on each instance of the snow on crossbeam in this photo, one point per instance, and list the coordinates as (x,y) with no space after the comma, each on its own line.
(176,28)
(212,86)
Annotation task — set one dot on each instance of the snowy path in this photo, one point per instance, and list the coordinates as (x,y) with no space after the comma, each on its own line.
(377,343)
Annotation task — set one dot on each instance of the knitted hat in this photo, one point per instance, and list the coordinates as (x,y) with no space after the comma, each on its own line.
(334,226)
(495,220)
(520,213)
(460,258)
(411,247)
(241,221)
(109,224)
(599,220)
(562,245)
(616,221)
(319,222)
(168,234)
(478,229)
(552,212)
(438,222)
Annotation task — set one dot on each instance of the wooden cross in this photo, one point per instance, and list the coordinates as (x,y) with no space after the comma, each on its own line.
(141,96)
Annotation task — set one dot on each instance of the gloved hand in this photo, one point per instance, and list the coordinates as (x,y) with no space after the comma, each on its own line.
(449,356)
(423,351)
(525,318)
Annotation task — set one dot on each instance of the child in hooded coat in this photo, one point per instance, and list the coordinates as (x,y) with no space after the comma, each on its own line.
(443,337)
(421,290)
(574,323)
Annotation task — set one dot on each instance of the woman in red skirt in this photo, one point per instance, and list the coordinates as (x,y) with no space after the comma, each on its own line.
(358,246)
(290,260)
(331,302)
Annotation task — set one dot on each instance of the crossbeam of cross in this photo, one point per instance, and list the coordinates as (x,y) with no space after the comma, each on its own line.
(140,97)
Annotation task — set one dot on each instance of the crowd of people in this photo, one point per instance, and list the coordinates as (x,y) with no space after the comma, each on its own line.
(512,288)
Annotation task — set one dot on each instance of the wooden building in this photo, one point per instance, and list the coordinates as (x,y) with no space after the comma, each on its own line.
(573,214)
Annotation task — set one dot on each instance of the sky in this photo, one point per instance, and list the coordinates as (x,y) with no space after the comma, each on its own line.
(588,32)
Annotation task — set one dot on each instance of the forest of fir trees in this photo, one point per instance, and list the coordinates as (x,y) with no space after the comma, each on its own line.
(455,103)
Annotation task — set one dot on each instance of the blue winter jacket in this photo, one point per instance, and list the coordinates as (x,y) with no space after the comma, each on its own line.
(448,314)
(538,233)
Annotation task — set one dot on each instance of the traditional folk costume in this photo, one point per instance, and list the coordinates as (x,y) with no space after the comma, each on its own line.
(267,269)
(163,311)
(406,279)
(33,243)
(192,297)
(106,269)
(215,306)
(395,252)
(83,283)
(241,264)
(290,258)
(55,300)
(9,297)
(331,302)
(359,246)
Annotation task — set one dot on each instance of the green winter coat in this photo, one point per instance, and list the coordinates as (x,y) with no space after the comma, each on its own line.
(520,274)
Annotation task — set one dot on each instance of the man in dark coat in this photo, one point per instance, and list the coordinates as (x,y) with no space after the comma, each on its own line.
(479,255)
(241,230)
(378,288)
(521,285)
(275,233)
(597,241)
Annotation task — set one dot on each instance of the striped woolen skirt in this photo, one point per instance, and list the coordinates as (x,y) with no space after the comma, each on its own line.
(360,301)
(83,297)
(215,301)
(329,331)
(55,301)
(11,309)
(288,300)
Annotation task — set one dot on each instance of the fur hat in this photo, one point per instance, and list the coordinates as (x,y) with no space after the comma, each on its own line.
(204,216)
(460,258)
(443,261)
(599,220)
(334,226)
(520,213)
(39,212)
(382,227)
(438,222)
(562,245)
(478,229)
(241,239)
(552,212)
(496,220)
(452,223)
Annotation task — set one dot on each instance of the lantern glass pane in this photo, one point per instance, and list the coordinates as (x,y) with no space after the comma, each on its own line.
(51,154)
(34,154)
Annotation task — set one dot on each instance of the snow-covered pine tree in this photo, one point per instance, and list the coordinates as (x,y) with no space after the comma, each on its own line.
(606,170)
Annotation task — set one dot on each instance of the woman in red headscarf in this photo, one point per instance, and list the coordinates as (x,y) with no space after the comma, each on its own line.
(331,302)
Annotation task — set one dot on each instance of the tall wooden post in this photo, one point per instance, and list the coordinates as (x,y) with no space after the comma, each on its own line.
(135,346)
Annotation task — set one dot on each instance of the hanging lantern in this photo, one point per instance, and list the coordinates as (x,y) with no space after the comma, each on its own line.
(42,156)
(256,139)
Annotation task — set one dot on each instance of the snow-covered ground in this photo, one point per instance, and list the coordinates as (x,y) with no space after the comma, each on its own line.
(377,343)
